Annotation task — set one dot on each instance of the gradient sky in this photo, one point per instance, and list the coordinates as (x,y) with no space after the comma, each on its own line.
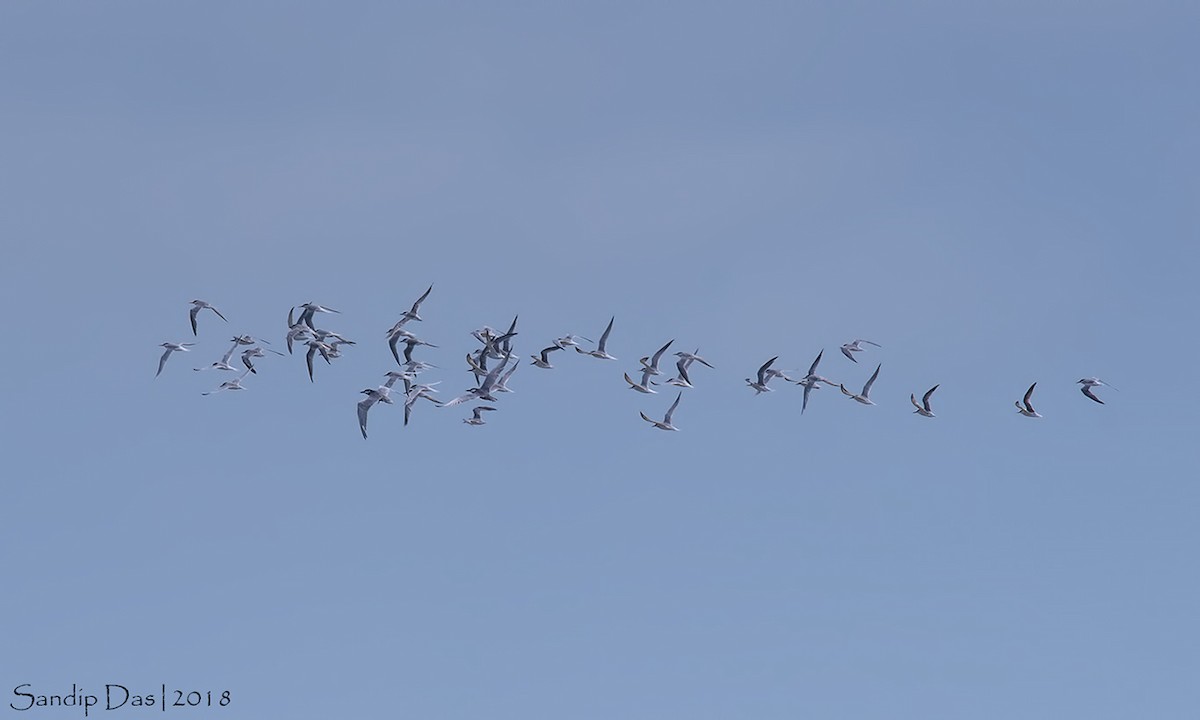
(998,193)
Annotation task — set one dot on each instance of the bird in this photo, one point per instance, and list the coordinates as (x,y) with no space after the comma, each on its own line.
(373,395)
(693,357)
(651,363)
(234,384)
(644,385)
(252,353)
(599,352)
(569,340)
(310,309)
(198,306)
(542,360)
(812,380)
(1028,410)
(483,392)
(477,418)
(864,398)
(760,386)
(223,363)
(171,347)
(665,424)
(411,314)
(681,378)
(1091,382)
(922,408)
(502,383)
(853,347)
(315,346)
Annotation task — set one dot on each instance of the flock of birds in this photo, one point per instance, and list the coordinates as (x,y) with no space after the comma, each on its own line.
(496,349)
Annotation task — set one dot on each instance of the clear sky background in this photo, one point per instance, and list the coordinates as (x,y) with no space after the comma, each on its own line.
(998,193)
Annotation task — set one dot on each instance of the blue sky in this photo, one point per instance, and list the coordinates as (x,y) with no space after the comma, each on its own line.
(998,193)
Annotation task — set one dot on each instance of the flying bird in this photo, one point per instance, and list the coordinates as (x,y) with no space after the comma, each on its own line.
(599,352)
(923,408)
(477,418)
(651,363)
(373,395)
(171,347)
(1092,382)
(1028,410)
(665,424)
(644,385)
(811,381)
(853,347)
(760,386)
(864,398)
(199,305)
(542,360)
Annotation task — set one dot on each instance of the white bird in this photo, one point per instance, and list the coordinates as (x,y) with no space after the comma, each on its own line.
(502,383)
(922,408)
(864,398)
(569,341)
(681,378)
(234,384)
(310,309)
(644,385)
(542,360)
(651,363)
(223,363)
(811,381)
(483,392)
(1028,410)
(760,386)
(693,357)
(1091,382)
(315,346)
(599,352)
(198,306)
(411,314)
(171,347)
(373,395)
(255,352)
(853,347)
(665,424)
(251,340)
(413,393)
(477,418)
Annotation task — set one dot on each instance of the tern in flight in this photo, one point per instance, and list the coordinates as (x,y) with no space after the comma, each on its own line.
(763,377)
(199,305)
(542,360)
(234,384)
(1091,382)
(812,381)
(315,346)
(373,395)
(477,418)
(644,385)
(599,352)
(853,347)
(651,363)
(570,341)
(693,357)
(310,309)
(922,408)
(171,347)
(681,378)
(411,314)
(665,423)
(864,398)
(1028,410)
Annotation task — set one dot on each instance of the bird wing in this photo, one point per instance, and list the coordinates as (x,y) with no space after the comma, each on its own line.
(867,387)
